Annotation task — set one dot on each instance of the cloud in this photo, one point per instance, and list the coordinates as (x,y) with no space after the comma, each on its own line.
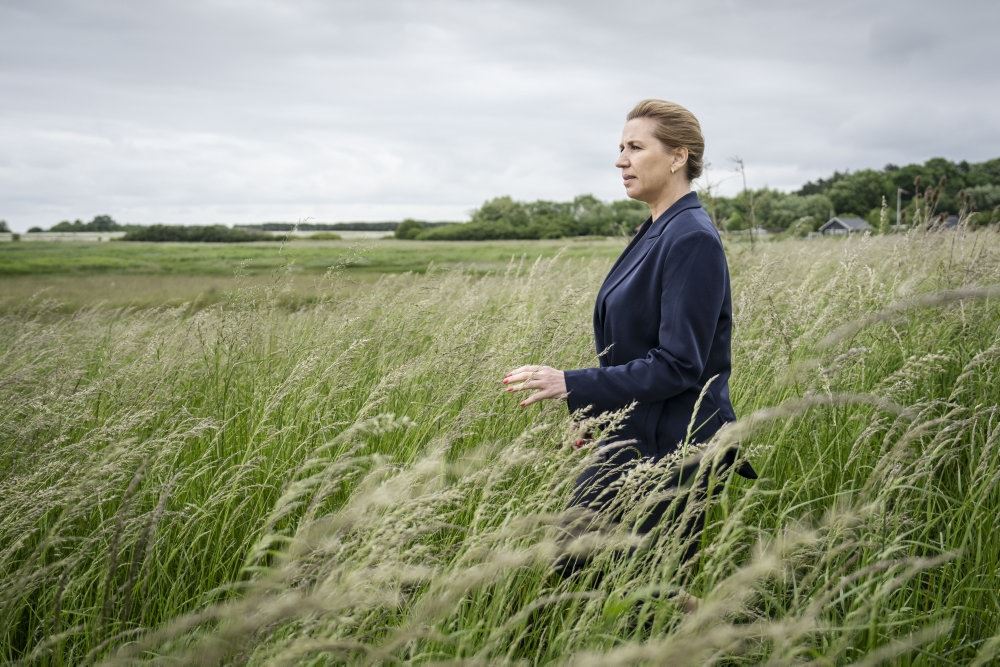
(246,111)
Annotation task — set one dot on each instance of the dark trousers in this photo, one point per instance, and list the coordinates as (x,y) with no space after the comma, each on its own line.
(597,490)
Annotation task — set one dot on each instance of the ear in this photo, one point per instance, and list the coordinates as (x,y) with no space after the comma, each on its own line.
(680,158)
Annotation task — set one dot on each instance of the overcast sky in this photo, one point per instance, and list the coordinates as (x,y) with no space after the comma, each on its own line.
(247,111)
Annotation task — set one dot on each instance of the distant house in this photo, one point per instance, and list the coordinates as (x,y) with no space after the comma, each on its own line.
(844,224)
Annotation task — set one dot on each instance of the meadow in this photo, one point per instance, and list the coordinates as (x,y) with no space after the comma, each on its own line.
(198,274)
(312,461)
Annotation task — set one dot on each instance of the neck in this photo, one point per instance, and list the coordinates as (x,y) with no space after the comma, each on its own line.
(668,197)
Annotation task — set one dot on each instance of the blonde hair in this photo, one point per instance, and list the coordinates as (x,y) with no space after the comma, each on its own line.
(676,127)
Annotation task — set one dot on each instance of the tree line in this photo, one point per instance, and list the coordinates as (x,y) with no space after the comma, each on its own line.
(505,218)
(100,223)
(934,188)
(161,233)
(937,187)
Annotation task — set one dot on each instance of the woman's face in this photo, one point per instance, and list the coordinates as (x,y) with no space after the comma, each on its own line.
(644,160)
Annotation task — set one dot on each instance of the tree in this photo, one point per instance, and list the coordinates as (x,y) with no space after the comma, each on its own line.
(984,173)
(859,192)
(820,185)
(502,210)
(409,229)
(549,219)
(585,213)
(3,226)
(785,210)
(982,197)
(625,216)
(102,223)
(761,207)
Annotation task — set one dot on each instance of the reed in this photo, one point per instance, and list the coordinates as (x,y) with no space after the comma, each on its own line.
(270,481)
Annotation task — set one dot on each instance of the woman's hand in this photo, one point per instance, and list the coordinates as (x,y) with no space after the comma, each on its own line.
(551,383)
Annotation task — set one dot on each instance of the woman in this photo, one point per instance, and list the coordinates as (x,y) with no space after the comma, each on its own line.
(663,315)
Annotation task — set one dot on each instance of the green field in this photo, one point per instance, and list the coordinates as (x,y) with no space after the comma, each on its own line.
(151,274)
(214,259)
(307,458)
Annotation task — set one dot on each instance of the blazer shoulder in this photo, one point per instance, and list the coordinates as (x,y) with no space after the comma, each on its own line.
(694,221)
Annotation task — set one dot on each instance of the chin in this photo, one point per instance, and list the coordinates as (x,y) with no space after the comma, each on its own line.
(636,196)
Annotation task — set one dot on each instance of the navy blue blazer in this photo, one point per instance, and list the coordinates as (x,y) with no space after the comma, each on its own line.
(664,317)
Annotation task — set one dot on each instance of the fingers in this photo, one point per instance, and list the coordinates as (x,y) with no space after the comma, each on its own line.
(522,378)
(532,376)
(537,396)
(530,368)
(527,384)
(524,373)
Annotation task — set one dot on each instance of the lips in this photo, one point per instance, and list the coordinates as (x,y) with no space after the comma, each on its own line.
(627,178)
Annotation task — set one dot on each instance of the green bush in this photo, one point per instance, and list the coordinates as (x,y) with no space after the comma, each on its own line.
(983,218)
(409,229)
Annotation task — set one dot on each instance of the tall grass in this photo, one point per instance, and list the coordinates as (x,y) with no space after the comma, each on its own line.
(257,482)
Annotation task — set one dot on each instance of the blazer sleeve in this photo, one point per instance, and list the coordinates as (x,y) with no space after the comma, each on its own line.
(692,291)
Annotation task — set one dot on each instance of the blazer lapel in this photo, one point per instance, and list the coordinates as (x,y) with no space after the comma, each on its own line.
(631,244)
(632,256)
(599,301)
(626,264)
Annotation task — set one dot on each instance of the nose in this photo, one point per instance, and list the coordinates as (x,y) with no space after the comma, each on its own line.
(621,162)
